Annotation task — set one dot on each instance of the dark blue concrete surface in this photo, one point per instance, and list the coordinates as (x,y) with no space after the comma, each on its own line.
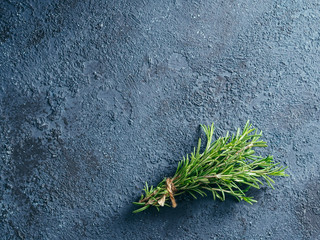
(98,97)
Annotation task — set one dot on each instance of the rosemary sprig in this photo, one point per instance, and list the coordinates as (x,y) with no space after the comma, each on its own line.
(227,166)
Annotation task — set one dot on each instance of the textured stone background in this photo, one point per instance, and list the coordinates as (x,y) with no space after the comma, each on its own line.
(98,97)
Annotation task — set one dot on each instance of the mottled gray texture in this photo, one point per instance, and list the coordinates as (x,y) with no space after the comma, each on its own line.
(98,97)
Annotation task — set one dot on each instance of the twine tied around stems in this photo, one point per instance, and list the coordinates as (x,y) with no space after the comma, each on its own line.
(171,189)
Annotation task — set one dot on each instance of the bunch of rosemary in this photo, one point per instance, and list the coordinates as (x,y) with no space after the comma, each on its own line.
(227,166)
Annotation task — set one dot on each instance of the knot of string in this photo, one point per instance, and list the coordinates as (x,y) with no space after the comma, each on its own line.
(171,190)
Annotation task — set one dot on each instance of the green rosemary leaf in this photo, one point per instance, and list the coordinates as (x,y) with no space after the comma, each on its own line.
(141,209)
(190,192)
(139,203)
